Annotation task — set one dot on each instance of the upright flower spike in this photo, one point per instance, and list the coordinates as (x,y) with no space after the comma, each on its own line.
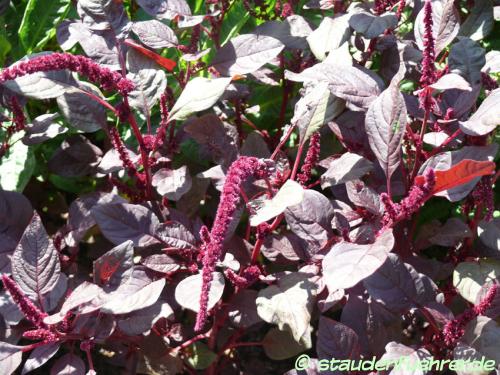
(241,169)
(311,159)
(428,69)
(108,79)
(27,307)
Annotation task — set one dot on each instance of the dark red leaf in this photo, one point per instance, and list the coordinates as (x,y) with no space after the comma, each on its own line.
(160,60)
(460,174)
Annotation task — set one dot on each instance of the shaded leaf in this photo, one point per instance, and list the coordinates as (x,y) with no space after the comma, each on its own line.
(10,357)
(479,23)
(489,233)
(451,81)
(279,345)
(467,58)
(336,340)
(310,220)
(75,157)
(80,110)
(165,9)
(398,286)
(42,129)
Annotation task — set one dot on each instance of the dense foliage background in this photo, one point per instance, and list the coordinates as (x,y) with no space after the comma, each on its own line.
(217,187)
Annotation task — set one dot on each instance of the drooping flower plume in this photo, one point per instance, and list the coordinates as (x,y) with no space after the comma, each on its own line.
(241,169)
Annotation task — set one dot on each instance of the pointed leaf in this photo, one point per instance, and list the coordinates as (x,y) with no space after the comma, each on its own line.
(385,125)
(155,34)
(187,292)
(35,262)
(109,269)
(486,118)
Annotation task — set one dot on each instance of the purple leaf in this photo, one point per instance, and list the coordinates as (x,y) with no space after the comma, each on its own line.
(246,53)
(76,157)
(209,130)
(175,235)
(155,34)
(149,80)
(479,22)
(35,262)
(39,356)
(489,233)
(385,125)
(310,220)
(397,286)
(120,222)
(42,129)
(485,119)
(10,357)
(15,215)
(172,183)
(336,340)
(346,264)
(285,247)
(111,268)
(292,31)
(80,219)
(165,9)
(358,86)
(371,26)
(137,292)
(346,168)
(81,111)
(161,263)
(467,58)
(68,364)
(364,196)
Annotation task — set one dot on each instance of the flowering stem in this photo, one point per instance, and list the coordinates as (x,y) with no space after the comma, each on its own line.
(419,145)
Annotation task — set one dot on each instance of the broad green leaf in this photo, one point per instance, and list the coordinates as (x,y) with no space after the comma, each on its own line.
(288,303)
(469,277)
(200,356)
(199,94)
(39,22)
(17,165)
